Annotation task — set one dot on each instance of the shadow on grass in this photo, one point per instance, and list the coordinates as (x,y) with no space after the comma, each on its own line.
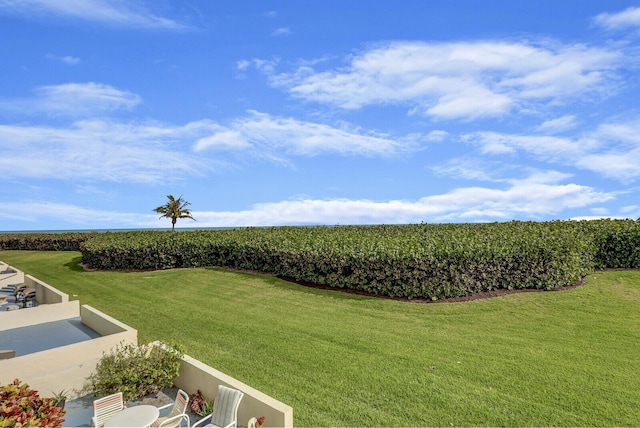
(74,264)
(303,287)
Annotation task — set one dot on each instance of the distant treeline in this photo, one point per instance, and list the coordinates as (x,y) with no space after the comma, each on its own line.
(427,261)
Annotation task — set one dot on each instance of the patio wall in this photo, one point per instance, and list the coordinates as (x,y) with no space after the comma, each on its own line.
(196,375)
(38,315)
(65,367)
(45,294)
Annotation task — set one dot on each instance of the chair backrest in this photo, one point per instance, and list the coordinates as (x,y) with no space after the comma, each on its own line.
(105,407)
(18,289)
(225,406)
(180,405)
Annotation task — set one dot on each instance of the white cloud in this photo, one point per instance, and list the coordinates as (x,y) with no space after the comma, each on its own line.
(559,124)
(67,59)
(627,18)
(548,147)
(125,14)
(225,139)
(537,196)
(74,99)
(470,169)
(466,80)
(267,134)
(281,32)
(620,166)
(34,212)
(102,150)
(611,150)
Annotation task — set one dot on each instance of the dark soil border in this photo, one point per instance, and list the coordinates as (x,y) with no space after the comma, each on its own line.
(470,297)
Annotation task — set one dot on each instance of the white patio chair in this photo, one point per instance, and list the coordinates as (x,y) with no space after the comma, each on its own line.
(225,409)
(105,407)
(179,409)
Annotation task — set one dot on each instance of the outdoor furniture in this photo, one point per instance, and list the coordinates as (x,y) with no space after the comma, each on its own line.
(175,421)
(6,354)
(18,289)
(179,409)
(28,297)
(136,416)
(225,409)
(105,407)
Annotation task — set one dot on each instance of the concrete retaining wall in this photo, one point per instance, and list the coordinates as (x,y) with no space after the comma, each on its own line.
(195,375)
(65,367)
(45,294)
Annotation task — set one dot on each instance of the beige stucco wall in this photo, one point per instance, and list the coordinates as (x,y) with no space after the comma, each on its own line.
(196,375)
(65,367)
(39,314)
(45,294)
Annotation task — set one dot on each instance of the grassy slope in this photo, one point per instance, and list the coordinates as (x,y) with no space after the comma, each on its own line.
(563,358)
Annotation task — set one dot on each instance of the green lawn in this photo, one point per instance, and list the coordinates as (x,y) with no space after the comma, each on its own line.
(565,358)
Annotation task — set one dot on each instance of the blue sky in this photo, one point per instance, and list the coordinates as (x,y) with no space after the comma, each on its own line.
(317,112)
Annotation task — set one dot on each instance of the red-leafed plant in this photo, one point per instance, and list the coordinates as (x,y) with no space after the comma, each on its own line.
(21,406)
(259,421)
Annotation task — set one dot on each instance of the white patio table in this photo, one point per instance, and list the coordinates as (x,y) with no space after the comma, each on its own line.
(136,416)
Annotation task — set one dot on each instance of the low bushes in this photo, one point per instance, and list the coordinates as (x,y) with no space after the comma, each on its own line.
(43,241)
(409,261)
(136,371)
(617,243)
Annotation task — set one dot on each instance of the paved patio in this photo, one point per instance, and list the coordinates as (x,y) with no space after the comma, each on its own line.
(40,337)
(80,410)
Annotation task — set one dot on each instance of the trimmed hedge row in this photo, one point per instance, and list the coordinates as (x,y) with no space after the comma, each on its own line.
(43,241)
(617,243)
(410,261)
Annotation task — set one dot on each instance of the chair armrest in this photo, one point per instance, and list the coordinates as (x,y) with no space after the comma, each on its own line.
(165,406)
(173,419)
(201,421)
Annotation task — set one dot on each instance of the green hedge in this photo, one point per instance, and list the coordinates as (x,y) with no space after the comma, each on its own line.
(410,261)
(617,243)
(43,241)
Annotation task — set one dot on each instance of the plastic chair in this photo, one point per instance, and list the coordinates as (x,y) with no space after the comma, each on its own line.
(179,409)
(225,409)
(105,407)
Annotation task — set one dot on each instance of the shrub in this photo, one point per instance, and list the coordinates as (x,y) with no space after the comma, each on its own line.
(136,371)
(21,406)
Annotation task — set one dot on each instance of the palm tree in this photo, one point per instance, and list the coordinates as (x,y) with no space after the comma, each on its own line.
(174,209)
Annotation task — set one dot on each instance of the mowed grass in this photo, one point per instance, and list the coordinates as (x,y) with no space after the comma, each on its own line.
(565,358)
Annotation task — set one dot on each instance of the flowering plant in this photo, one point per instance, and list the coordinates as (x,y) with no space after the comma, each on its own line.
(259,421)
(199,405)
